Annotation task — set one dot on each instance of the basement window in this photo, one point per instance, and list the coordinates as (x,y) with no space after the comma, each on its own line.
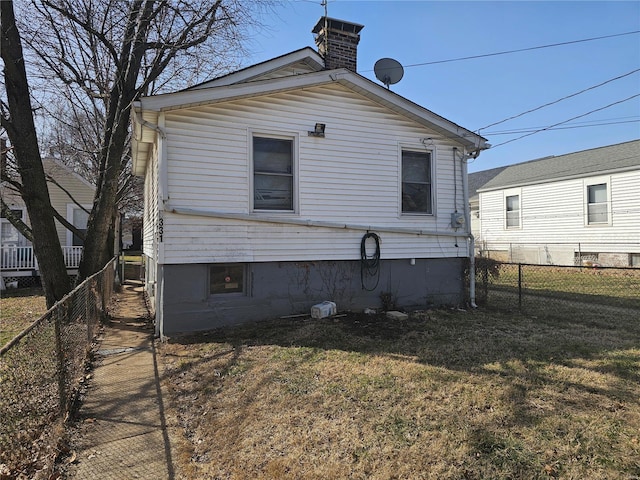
(227,278)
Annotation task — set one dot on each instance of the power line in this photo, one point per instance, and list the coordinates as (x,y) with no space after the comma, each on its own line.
(567,121)
(559,100)
(505,52)
(531,129)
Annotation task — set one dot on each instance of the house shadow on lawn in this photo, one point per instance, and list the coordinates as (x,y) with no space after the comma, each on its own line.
(499,384)
(453,339)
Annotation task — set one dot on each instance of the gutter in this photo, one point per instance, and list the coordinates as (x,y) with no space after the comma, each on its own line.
(145,123)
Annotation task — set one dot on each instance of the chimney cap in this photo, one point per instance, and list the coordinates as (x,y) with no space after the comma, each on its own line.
(342,25)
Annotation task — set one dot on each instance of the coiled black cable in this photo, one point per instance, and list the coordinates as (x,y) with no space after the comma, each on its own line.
(369,265)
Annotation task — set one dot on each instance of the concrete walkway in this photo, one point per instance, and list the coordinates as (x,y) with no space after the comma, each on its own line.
(121,433)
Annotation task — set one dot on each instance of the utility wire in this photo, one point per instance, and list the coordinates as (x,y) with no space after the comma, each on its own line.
(559,100)
(531,129)
(567,121)
(522,49)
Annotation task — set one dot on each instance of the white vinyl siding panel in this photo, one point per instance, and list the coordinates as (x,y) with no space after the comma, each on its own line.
(350,176)
(297,69)
(150,212)
(82,193)
(555,213)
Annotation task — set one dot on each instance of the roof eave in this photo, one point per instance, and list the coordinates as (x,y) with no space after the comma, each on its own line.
(351,80)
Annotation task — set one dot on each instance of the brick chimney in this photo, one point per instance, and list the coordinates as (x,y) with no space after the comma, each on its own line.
(337,42)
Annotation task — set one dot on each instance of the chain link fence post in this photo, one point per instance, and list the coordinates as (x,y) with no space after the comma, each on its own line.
(520,287)
(58,318)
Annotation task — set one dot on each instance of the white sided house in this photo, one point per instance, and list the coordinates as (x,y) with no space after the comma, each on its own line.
(297,181)
(582,208)
(72,197)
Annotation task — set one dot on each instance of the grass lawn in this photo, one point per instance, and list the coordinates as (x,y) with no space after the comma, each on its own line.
(19,308)
(443,395)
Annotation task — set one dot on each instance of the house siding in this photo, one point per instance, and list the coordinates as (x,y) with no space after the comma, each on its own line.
(150,211)
(350,176)
(553,214)
(297,69)
(150,229)
(82,194)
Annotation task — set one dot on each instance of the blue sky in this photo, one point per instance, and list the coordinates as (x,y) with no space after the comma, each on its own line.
(476,93)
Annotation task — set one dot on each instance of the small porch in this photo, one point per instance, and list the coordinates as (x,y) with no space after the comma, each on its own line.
(19,262)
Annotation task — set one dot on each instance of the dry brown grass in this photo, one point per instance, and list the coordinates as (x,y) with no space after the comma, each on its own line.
(18,309)
(443,395)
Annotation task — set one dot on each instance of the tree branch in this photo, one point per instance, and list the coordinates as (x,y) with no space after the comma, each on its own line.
(50,179)
(16,221)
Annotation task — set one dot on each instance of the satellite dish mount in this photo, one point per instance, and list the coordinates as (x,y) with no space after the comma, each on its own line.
(388,71)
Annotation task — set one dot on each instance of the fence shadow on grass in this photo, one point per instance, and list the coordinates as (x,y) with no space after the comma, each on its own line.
(40,370)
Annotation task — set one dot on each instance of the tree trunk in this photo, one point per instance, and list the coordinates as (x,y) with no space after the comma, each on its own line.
(98,248)
(99,243)
(22,134)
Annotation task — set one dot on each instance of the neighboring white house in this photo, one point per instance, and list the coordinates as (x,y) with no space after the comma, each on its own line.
(580,208)
(263,190)
(17,261)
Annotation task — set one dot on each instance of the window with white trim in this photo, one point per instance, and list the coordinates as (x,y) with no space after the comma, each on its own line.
(273,173)
(417,183)
(597,204)
(79,218)
(9,235)
(227,278)
(512,211)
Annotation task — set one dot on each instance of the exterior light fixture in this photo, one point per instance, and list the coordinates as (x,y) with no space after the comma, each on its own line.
(318,130)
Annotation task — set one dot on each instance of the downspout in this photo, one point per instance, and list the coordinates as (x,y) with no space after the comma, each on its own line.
(159,270)
(467,221)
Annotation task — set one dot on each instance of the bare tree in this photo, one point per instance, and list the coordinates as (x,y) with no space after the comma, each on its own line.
(105,55)
(17,121)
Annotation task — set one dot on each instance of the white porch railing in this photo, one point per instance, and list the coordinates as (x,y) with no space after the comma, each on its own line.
(23,258)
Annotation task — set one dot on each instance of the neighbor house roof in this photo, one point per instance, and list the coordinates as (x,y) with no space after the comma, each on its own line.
(602,160)
(478,180)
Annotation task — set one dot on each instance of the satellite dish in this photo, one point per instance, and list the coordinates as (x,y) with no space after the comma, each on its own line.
(388,71)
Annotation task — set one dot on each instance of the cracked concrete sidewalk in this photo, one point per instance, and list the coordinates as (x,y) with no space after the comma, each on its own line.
(120,431)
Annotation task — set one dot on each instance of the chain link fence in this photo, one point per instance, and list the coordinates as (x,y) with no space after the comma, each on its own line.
(594,293)
(41,371)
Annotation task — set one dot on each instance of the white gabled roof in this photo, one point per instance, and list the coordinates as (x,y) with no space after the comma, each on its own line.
(301,61)
(245,84)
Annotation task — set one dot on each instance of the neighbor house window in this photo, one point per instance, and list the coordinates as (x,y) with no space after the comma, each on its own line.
(9,235)
(417,186)
(273,173)
(512,213)
(80,220)
(226,278)
(597,204)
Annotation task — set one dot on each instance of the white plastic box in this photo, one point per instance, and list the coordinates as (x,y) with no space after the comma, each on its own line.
(324,309)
